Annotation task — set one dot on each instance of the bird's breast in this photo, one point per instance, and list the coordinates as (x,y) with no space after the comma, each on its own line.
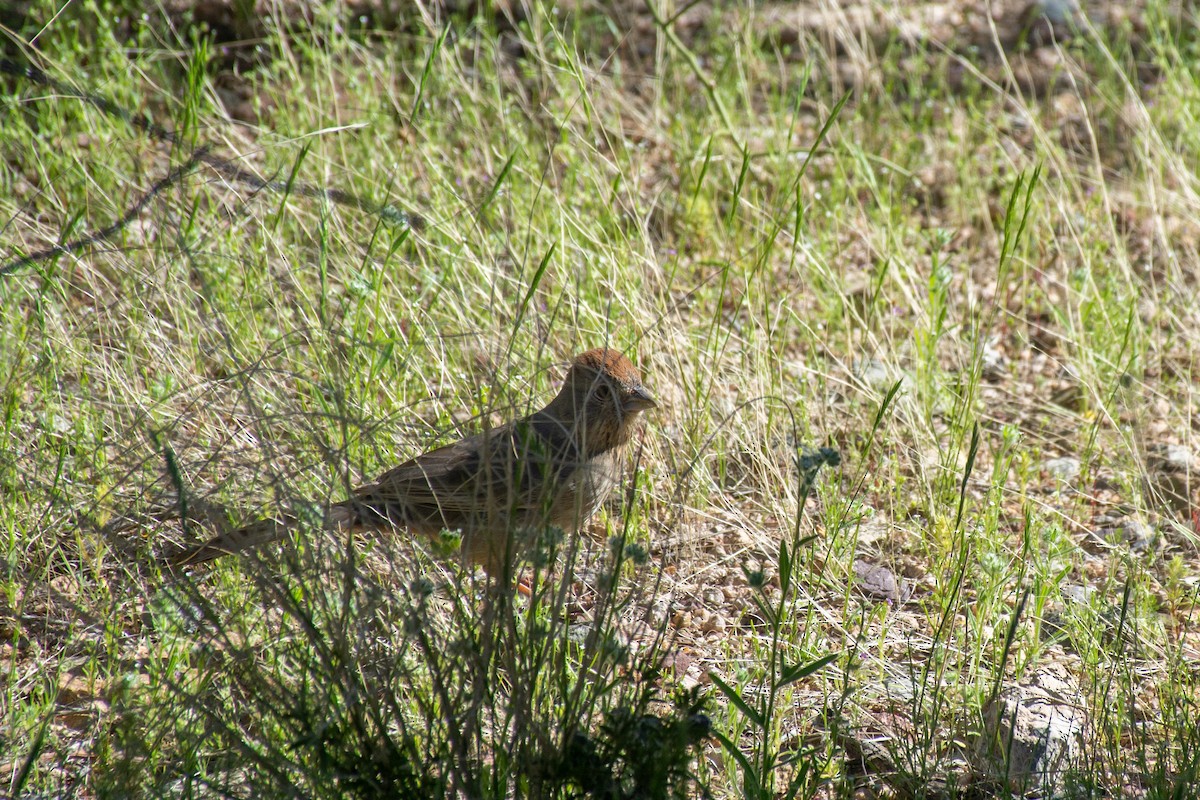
(583,491)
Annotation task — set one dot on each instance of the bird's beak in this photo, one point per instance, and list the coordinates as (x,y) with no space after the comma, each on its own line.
(639,400)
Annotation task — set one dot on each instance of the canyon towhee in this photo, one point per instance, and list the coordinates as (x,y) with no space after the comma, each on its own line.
(553,468)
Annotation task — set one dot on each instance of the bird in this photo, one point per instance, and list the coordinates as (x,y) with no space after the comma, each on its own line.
(551,469)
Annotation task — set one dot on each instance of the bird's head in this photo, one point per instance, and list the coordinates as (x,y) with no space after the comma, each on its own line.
(602,396)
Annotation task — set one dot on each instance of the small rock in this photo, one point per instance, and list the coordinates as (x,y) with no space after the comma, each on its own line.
(1140,537)
(75,689)
(1075,593)
(753,620)
(994,362)
(1069,394)
(579,633)
(1034,732)
(878,582)
(83,715)
(1174,458)
(901,688)
(1045,22)
(1043,331)
(682,661)
(1109,531)
(718,575)
(681,619)
(1065,469)
(874,374)
(1172,476)
(713,623)
(871,531)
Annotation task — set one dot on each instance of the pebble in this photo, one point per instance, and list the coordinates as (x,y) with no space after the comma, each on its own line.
(1064,469)
(1034,731)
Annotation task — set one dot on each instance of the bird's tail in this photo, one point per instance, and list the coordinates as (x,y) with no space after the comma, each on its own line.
(256,534)
(252,535)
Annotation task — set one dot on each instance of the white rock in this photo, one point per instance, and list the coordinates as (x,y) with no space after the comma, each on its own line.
(1034,732)
(1064,469)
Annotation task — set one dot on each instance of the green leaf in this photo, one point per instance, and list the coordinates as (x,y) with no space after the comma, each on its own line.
(785,568)
(533,284)
(751,783)
(491,195)
(425,73)
(755,717)
(796,672)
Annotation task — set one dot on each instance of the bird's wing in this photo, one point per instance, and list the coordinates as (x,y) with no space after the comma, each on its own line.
(501,470)
(445,476)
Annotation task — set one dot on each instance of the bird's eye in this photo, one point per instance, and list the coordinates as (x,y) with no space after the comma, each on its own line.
(602,391)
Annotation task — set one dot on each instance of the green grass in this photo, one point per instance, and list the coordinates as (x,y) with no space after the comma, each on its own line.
(1019,265)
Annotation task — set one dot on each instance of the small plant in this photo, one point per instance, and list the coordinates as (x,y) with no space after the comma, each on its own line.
(761,717)
(636,755)
(338,678)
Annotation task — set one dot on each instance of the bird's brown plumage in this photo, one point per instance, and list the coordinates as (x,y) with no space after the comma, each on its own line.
(552,468)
